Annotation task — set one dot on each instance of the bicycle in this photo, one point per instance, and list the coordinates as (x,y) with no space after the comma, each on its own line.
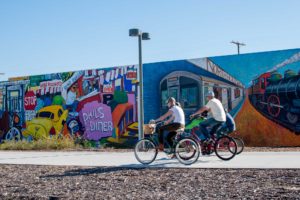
(239,141)
(146,149)
(224,146)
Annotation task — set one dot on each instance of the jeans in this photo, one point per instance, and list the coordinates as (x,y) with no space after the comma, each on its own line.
(209,122)
(172,128)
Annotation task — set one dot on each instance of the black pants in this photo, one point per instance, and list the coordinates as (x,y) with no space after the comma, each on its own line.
(171,128)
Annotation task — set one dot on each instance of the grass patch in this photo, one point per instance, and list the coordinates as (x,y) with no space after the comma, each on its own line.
(41,144)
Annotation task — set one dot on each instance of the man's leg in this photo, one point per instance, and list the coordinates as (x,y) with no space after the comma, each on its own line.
(170,128)
(203,127)
(170,137)
(161,134)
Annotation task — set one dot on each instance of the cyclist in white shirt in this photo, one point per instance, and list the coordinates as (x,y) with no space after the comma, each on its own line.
(175,122)
(215,107)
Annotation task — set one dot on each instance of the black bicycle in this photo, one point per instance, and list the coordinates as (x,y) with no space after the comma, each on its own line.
(187,150)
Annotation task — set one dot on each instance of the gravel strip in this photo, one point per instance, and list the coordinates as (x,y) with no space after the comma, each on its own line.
(57,182)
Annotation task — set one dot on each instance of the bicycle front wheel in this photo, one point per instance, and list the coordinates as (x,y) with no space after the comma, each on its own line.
(145,151)
(225,148)
(187,151)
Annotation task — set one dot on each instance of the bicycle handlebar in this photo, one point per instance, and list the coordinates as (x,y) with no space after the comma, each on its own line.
(200,116)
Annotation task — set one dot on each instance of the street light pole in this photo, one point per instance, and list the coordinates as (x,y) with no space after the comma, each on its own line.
(141,95)
(141,36)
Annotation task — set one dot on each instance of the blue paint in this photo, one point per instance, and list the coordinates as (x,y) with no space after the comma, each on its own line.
(153,73)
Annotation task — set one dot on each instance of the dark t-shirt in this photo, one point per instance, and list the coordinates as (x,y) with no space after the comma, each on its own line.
(230,122)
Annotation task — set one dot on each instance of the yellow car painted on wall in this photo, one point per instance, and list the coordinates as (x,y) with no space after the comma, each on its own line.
(49,121)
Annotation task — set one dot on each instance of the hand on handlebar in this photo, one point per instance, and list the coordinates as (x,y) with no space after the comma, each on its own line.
(152,121)
(193,116)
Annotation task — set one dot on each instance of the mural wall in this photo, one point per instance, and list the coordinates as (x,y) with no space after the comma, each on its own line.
(98,104)
(262,91)
(270,115)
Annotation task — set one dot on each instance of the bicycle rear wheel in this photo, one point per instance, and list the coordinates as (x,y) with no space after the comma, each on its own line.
(240,145)
(145,151)
(225,148)
(187,151)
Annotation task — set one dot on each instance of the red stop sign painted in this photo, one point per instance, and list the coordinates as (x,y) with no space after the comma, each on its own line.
(30,101)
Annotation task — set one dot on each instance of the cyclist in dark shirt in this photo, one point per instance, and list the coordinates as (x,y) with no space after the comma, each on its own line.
(230,124)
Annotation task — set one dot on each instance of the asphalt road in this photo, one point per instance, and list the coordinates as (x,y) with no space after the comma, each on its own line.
(263,160)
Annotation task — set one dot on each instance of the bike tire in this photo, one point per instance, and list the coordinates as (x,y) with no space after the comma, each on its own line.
(225,148)
(183,151)
(143,147)
(240,145)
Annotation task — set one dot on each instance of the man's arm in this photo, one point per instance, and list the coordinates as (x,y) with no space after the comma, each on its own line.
(166,115)
(170,120)
(201,110)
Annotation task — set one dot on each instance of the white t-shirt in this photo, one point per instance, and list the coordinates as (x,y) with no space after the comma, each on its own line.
(216,109)
(178,115)
(71,98)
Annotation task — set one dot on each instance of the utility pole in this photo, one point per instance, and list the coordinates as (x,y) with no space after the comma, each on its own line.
(238,44)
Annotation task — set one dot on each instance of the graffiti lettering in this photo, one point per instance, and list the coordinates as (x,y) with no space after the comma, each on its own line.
(30,101)
(101,126)
(96,113)
(97,120)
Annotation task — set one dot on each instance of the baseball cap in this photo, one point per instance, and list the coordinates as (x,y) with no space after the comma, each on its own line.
(210,94)
(171,99)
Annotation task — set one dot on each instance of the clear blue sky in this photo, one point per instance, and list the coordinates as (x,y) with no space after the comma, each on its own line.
(47,36)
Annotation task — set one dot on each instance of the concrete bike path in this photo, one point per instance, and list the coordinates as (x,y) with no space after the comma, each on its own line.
(127,159)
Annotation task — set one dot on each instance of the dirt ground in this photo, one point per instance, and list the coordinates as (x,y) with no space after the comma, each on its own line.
(61,182)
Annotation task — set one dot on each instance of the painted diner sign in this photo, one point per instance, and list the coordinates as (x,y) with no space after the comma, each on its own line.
(97,120)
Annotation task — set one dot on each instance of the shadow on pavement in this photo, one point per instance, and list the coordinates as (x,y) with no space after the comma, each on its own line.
(100,170)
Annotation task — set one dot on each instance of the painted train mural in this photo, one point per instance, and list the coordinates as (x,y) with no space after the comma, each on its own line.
(278,98)
(261,90)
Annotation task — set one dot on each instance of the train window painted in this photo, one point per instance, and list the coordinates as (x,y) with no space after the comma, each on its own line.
(174,92)
(262,82)
(218,92)
(237,93)
(188,96)
(164,97)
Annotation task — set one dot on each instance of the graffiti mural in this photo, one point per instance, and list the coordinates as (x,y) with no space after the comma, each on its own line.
(271,110)
(261,90)
(89,104)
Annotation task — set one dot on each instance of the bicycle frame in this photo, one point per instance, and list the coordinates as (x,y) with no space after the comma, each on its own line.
(193,126)
(154,138)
